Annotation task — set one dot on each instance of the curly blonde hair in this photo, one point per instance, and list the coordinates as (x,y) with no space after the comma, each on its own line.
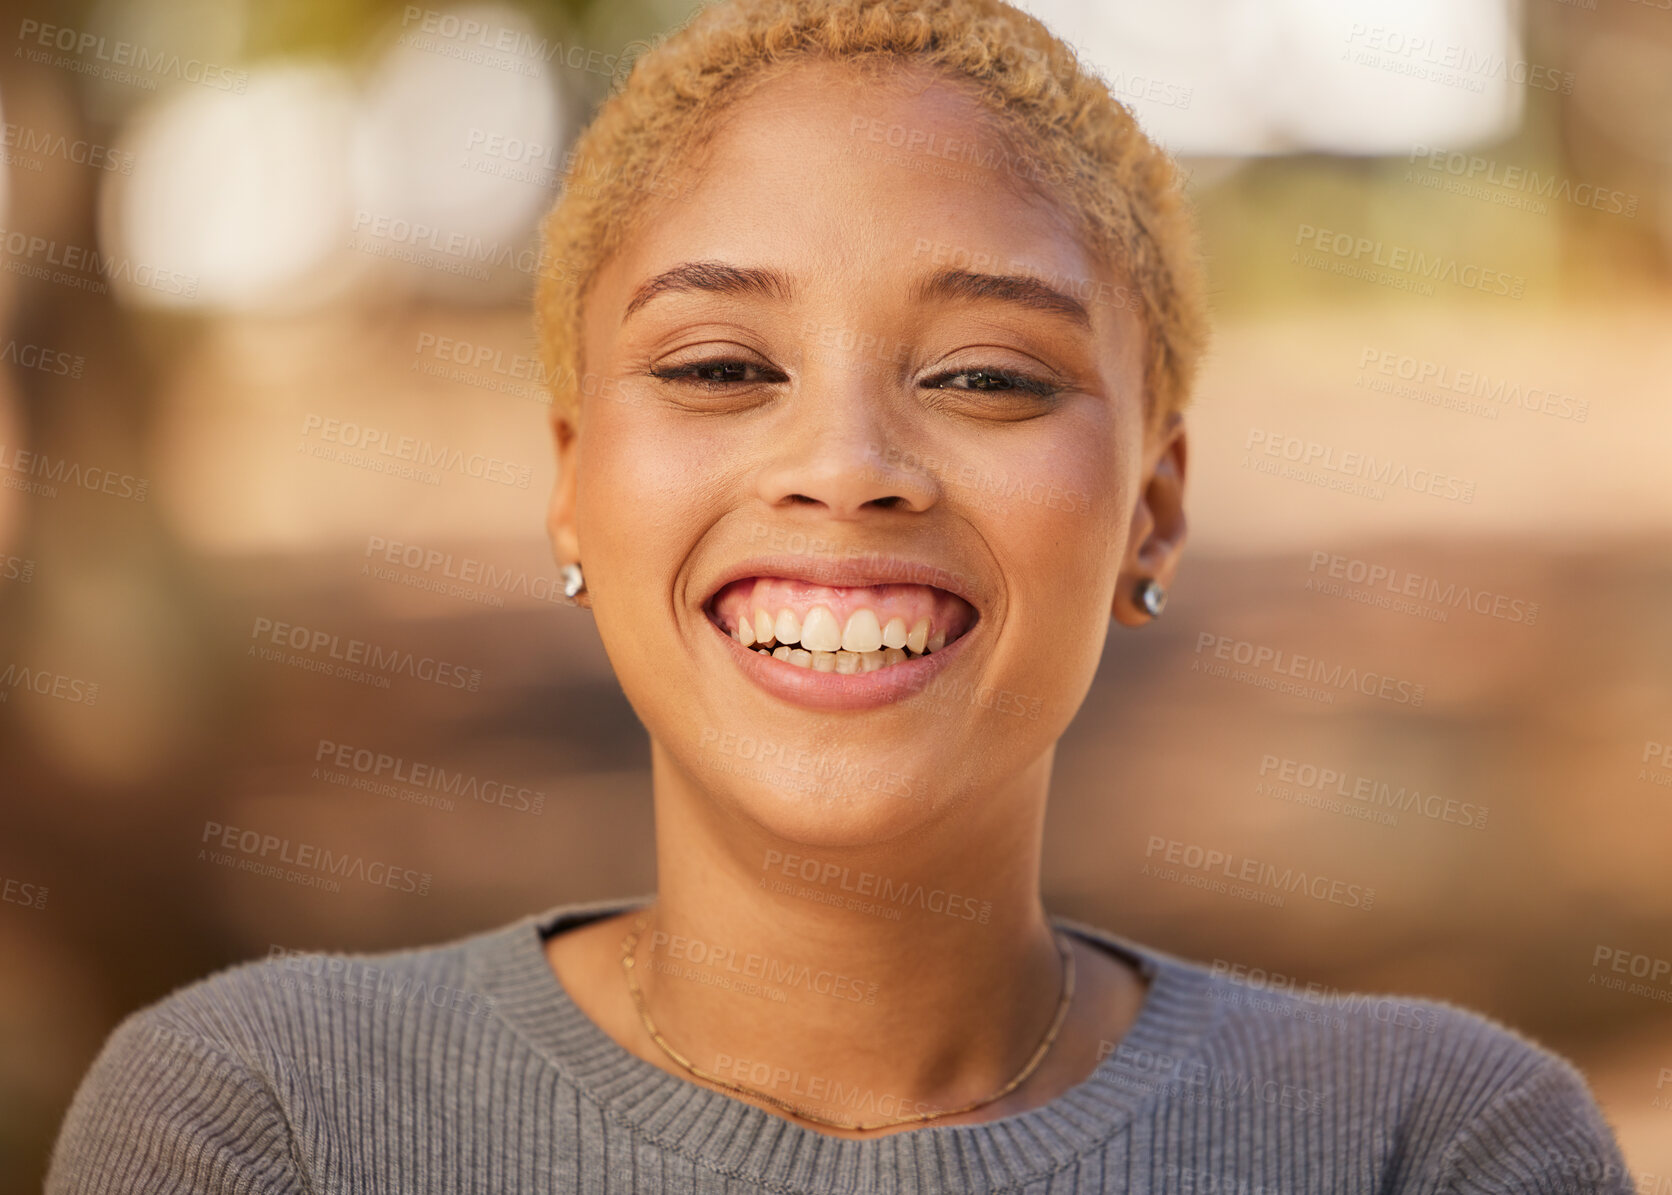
(1083,145)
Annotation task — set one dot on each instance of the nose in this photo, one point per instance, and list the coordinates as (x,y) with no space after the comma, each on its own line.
(844,444)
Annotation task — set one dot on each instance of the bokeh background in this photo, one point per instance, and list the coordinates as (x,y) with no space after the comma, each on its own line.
(239,235)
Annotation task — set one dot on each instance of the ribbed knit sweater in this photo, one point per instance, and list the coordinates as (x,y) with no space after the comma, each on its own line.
(466,1068)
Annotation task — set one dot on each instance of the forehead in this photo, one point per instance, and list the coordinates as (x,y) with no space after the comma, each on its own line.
(840,175)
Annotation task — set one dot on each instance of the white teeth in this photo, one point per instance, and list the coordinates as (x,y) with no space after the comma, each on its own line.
(862,646)
(844,662)
(862,632)
(820,632)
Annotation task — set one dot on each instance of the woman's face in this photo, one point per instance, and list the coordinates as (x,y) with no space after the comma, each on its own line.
(858,373)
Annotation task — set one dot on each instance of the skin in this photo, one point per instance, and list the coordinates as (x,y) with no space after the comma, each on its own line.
(662,483)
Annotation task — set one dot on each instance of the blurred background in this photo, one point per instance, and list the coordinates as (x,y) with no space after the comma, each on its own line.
(262,261)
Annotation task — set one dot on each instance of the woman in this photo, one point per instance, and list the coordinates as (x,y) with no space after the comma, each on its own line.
(872,323)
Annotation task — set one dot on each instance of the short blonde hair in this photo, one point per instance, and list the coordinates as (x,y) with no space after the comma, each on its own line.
(1083,145)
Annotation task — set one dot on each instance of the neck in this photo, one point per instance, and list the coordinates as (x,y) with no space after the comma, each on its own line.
(916,975)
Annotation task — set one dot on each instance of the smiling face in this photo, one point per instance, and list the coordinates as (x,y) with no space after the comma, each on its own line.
(861,470)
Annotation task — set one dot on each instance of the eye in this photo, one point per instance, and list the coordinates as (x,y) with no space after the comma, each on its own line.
(719,373)
(988,380)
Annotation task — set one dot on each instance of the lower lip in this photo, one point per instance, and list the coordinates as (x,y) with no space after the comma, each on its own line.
(835,690)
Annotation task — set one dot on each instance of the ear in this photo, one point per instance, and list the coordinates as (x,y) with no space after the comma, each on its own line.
(1156,538)
(560,514)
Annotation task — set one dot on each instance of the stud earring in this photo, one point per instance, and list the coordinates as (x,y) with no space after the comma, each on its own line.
(1152,597)
(573,582)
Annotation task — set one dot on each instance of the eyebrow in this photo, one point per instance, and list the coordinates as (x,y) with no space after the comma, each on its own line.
(717,277)
(1022,289)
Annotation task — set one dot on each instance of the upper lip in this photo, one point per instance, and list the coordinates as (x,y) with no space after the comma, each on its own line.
(878,568)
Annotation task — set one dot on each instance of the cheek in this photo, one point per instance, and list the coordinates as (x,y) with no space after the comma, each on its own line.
(1057,511)
(640,501)
(1059,529)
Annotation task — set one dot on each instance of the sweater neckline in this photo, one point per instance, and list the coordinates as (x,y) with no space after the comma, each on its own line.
(739,1140)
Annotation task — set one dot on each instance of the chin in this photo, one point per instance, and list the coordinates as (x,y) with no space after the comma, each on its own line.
(875,804)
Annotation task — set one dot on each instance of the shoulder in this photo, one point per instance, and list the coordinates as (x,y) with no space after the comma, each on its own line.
(1473,1104)
(209,1079)
(1434,1041)
(261,1012)
(1442,1097)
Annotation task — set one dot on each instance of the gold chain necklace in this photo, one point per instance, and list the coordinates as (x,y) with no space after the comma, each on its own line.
(629,947)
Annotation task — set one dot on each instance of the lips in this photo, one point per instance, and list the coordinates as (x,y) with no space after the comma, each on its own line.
(869,569)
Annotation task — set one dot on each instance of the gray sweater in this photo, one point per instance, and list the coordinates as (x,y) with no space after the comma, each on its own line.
(466,1068)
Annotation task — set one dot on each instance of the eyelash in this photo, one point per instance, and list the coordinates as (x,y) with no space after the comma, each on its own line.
(1017,381)
(687,373)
